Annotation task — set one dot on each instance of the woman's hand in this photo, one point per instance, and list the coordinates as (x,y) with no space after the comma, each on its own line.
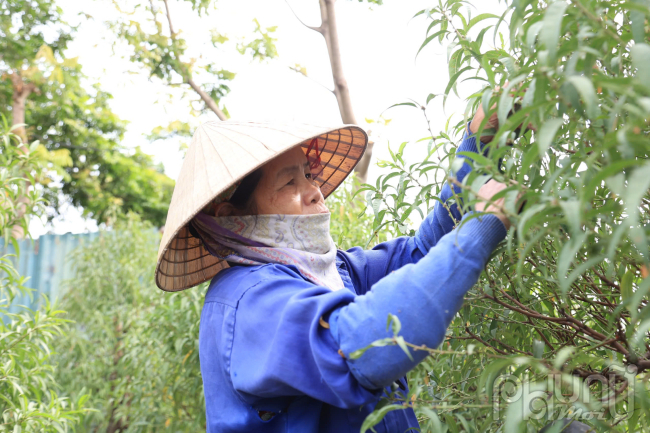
(491,125)
(485,194)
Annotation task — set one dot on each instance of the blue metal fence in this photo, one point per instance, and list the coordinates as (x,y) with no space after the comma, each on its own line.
(46,262)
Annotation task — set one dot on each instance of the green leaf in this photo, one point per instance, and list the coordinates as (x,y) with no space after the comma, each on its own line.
(531,35)
(402,344)
(434,419)
(452,82)
(585,88)
(478,18)
(639,340)
(429,39)
(637,19)
(538,349)
(375,418)
(408,104)
(640,54)
(573,213)
(562,356)
(566,258)
(550,32)
(393,321)
(451,423)
(637,186)
(546,135)
(626,285)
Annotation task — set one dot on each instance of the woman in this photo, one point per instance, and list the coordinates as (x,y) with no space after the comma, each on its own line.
(285,309)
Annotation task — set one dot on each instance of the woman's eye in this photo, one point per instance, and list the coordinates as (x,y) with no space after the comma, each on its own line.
(290,182)
(308,175)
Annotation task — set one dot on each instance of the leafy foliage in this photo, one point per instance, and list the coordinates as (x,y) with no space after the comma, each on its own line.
(29,397)
(160,50)
(73,122)
(134,347)
(350,225)
(566,296)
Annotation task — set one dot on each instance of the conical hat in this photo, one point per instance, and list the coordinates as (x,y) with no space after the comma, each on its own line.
(222,153)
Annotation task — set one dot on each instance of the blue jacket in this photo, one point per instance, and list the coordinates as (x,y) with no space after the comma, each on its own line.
(268,363)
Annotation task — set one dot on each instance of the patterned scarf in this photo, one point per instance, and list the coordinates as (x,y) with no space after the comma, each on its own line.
(300,240)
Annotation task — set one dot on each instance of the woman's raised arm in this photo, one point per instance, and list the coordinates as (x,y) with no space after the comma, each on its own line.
(368,266)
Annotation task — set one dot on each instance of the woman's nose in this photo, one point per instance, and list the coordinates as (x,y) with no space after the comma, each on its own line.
(312,192)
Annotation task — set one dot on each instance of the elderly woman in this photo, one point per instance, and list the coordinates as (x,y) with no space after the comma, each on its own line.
(285,308)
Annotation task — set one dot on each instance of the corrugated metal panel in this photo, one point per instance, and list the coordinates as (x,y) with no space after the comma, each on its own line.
(46,262)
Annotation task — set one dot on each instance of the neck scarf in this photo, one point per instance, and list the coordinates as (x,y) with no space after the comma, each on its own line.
(300,240)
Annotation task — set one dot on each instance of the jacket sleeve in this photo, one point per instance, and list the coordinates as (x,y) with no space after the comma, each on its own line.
(425,296)
(368,266)
(279,349)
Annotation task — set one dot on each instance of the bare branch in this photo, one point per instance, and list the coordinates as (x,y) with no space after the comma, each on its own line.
(307,76)
(318,29)
(153,11)
(212,105)
(485,343)
(169,20)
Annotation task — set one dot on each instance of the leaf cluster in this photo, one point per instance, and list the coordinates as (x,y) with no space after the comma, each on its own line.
(30,399)
(133,347)
(572,275)
(72,120)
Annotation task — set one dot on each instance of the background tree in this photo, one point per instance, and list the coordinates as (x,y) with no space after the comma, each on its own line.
(160,51)
(566,296)
(134,348)
(328,28)
(30,400)
(71,120)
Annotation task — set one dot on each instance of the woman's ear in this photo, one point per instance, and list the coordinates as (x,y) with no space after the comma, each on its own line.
(224,209)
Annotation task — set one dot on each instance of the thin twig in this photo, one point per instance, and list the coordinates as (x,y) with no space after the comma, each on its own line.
(294,69)
(318,29)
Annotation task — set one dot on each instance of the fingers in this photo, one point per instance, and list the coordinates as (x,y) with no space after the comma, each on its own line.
(486,204)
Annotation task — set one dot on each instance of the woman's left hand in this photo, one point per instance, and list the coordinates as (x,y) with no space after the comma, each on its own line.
(492,124)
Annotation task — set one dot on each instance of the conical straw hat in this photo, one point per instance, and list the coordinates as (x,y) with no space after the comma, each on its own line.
(222,153)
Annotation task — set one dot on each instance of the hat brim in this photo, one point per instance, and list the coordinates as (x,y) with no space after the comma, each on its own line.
(183,262)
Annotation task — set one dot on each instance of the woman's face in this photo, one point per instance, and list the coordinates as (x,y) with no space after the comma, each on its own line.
(286,187)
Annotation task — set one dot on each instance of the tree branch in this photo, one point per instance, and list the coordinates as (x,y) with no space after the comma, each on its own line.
(318,29)
(485,343)
(341,90)
(212,105)
(153,10)
(169,20)
(307,76)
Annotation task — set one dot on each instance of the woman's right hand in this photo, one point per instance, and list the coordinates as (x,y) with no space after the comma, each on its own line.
(485,194)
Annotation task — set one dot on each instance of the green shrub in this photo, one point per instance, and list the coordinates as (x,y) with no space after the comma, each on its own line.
(29,397)
(134,347)
(350,224)
(566,295)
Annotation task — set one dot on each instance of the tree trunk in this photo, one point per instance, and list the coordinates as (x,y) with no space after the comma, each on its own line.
(341,90)
(21,92)
(19,102)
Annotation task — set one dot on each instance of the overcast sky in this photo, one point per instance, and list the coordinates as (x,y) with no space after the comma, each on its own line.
(378,49)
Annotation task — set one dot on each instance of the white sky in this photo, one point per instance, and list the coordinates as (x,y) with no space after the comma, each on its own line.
(378,52)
